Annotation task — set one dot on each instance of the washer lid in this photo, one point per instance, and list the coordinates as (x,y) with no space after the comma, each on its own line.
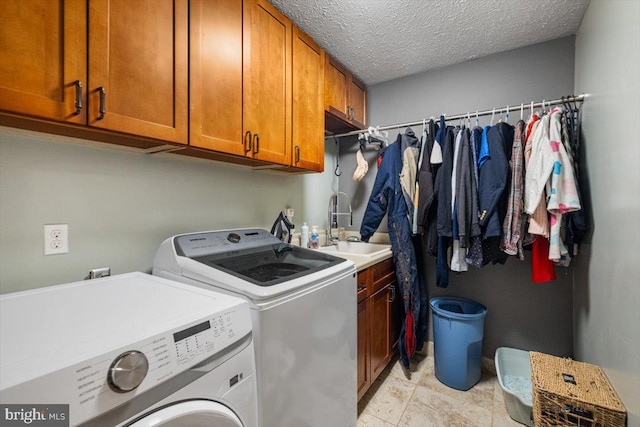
(192,413)
(270,265)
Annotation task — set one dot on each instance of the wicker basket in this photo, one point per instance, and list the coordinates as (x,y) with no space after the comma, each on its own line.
(570,393)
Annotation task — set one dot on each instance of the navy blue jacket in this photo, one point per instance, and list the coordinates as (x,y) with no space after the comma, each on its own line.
(493,178)
(387,198)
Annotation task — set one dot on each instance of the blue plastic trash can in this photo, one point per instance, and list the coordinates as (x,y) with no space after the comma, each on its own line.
(458,327)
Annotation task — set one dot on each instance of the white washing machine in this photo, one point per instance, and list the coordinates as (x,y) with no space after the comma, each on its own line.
(128,350)
(304,311)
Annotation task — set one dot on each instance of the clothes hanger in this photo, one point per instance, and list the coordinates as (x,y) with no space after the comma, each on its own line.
(506,119)
(468,120)
(521,111)
(531,110)
(493,115)
(477,120)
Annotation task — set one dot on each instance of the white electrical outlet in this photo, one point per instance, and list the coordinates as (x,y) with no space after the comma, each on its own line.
(56,239)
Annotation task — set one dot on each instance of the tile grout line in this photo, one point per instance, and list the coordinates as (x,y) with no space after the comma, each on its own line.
(415,387)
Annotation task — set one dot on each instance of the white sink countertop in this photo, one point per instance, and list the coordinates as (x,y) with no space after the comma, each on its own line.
(362,254)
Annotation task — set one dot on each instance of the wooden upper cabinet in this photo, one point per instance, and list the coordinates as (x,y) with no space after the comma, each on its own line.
(308,103)
(336,92)
(358,102)
(216,76)
(138,78)
(43,53)
(267,82)
(345,98)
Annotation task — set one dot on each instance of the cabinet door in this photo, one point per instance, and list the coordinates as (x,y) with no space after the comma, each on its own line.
(215,64)
(379,318)
(364,374)
(43,45)
(358,103)
(308,104)
(138,54)
(395,319)
(336,88)
(267,81)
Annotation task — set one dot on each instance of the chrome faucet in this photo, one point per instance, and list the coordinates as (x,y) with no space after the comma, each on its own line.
(334,214)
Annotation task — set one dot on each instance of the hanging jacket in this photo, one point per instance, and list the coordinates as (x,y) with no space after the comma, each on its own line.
(564,194)
(493,179)
(466,194)
(513,225)
(427,204)
(443,191)
(387,198)
(474,254)
(410,148)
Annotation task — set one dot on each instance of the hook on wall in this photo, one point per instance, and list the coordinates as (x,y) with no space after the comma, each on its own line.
(337,171)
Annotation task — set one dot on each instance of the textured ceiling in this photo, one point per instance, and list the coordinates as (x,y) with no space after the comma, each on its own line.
(380,40)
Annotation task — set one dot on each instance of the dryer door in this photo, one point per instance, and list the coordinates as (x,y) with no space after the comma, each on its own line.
(191,413)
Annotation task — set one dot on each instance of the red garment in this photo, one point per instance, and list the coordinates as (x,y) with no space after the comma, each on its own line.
(542,269)
(534,119)
(411,337)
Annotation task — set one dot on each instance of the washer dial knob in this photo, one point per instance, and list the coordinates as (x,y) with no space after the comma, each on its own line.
(127,371)
(234,237)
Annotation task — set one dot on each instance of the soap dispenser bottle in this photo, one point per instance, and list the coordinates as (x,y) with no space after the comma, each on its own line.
(304,235)
(314,244)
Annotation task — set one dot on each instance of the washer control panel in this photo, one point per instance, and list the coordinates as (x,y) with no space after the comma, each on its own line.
(98,385)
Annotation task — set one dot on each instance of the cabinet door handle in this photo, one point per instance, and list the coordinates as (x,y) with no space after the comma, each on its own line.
(362,288)
(392,298)
(256,143)
(247,141)
(78,85)
(297,153)
(103,110)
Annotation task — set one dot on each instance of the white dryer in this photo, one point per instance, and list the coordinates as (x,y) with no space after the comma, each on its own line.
(128,350)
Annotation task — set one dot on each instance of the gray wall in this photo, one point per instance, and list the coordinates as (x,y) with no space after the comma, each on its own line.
(120,205)
(521,314)
(606,290)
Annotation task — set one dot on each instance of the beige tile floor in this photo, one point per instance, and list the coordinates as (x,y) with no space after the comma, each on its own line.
(421,400)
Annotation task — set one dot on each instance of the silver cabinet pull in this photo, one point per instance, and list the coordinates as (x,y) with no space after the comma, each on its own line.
(362,288)
(247,141)
(392,298)
(78,85)
(256,143)
(103,110)
(297,153)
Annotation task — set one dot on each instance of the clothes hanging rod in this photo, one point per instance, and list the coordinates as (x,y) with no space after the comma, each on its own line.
(514,108)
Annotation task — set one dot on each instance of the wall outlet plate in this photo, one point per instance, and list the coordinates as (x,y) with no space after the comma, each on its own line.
(56,239)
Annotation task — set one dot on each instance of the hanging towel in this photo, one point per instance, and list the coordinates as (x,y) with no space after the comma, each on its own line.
(362,167)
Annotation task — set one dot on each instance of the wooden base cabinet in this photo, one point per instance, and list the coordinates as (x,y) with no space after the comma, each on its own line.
(378,322)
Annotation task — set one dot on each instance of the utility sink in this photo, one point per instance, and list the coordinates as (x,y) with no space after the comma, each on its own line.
(359,249)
